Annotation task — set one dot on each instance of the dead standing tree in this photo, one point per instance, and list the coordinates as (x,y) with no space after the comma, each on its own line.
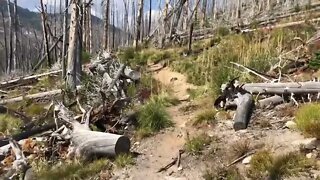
(106,24)
(65,35)
(9,63)
(139,20)
(72,49)
(15,36)
(45,32)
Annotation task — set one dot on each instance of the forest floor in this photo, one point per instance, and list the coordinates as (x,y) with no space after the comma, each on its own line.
(267,130)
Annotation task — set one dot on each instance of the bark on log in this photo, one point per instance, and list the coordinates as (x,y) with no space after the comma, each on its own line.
(89,144)
(271,101)
(25,80)
(283,88)
(245,105)
(48,94)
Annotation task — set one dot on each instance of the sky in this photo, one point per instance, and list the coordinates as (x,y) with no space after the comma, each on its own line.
(32,5)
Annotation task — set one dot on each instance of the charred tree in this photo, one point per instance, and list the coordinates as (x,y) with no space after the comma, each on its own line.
(72,48)
(45,32)
(9,62)
(106,25)
(65,35)
(139,20)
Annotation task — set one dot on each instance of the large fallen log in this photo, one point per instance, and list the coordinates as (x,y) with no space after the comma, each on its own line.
(270,101)
(245,105)
(283,88)
(42,95)
(25,80)
(89,144)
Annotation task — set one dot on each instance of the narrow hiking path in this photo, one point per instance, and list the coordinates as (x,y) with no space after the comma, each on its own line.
(157,151)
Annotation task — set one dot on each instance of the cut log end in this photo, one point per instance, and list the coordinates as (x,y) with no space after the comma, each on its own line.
(122,145)
(239,126)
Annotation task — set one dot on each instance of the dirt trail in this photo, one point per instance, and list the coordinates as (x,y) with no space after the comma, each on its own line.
(158,151)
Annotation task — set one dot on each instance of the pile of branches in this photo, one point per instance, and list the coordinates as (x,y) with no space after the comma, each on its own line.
(278,86)
(100,101)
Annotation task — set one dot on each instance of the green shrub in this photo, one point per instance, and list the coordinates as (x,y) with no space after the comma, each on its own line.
(74,170)
(259,165)
(196,144)
(153,116)
(308,120)
(205,117)
(85,57)
(263,165)
(314,63)
(9,124)
(123,160)
(222,31)
(223,173)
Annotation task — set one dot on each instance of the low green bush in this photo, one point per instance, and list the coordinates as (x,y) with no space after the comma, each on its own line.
(308,120)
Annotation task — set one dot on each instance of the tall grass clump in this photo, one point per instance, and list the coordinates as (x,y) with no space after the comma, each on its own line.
(196,145)
(264,165)
(153,117)
(308,120)
(9,124)
(73,170)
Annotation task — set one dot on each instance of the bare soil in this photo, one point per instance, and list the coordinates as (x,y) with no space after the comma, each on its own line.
(266,130)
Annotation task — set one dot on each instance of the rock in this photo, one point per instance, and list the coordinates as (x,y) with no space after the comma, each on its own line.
(309,144)
(247,160)
(290,125)
(309,155)
(180,168)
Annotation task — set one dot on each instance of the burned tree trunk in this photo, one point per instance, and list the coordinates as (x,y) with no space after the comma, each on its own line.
(5,40)
(64,45)
(106,25)
(245,105)
(72,49)
(45,33)
(89,144)
(9,62)
(15,36)
(139,20)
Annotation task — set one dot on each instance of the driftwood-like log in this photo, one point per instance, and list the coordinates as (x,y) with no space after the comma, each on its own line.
(245,105)
(270,101)
(25,80)
(48,94)
(89,144)
(283,88)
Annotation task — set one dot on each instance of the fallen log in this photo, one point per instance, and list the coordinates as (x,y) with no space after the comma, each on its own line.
(245,105)
(48,94)
(25,80)
(283,88)
(270,101)
(89,144)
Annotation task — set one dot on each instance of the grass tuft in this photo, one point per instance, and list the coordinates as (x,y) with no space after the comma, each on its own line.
(224,173)
(205,117)
(123,160)
(9,124)
(240,148)
(308,120)
(73,170)
(196,145)
(264,165)
(153,116)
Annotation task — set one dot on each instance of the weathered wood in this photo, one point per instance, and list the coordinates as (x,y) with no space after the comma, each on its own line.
(27,134)
(89,144)
(25,80)
(48,94)
(270,101)
(283,88)
(245,105)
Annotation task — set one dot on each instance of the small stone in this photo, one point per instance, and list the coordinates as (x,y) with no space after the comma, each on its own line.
(290,125)
(180,168)
(310,155)
(309,144)
(247,160)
